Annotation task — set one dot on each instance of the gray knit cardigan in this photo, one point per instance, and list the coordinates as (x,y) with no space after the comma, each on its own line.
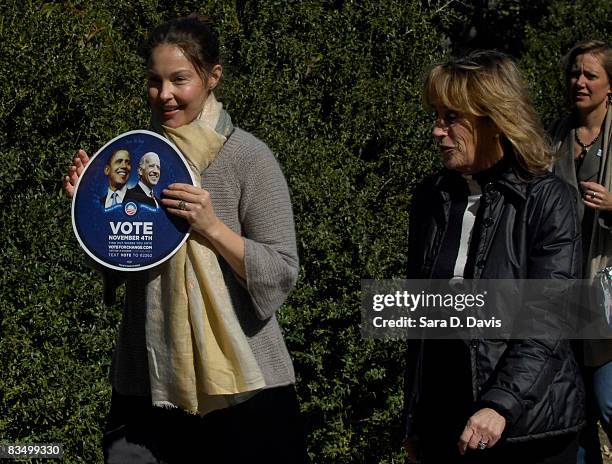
(250,195)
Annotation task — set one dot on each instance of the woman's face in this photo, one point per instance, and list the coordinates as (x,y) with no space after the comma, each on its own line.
(589,83)
(176,90)
(468,144)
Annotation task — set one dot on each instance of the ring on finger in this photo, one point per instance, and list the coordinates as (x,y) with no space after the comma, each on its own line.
(182,205)
(482,445)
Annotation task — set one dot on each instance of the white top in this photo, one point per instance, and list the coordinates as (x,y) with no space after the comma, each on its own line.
(467,226)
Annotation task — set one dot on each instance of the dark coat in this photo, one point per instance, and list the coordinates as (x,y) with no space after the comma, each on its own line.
(525,230)
(138,195)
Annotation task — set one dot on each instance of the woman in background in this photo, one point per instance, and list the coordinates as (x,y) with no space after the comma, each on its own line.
(179,397)
(493,212)
(582,142)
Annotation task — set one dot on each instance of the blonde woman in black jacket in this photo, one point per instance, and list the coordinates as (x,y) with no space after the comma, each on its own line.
(493,212)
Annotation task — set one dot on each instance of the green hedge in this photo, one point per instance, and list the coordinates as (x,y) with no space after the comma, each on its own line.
(333,87)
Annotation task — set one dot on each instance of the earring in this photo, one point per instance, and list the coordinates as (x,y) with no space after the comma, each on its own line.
(609,102)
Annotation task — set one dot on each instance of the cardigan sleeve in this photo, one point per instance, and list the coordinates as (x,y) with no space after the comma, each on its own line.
(271,260)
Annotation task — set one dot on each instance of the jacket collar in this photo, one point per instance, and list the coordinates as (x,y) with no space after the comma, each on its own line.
(503,176)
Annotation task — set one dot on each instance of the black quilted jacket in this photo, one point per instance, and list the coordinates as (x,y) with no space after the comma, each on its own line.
(527,230)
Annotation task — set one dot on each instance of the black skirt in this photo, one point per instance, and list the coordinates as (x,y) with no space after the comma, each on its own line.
(265,428)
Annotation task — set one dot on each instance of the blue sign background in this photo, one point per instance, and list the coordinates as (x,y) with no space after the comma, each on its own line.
(143,236)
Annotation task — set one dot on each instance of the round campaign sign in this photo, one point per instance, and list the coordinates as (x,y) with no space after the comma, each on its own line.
(117,214)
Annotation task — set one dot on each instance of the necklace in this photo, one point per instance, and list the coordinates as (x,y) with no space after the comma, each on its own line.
(585,146)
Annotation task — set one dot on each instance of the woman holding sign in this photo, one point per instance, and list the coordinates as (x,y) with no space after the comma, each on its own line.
(200,367)
(493,212)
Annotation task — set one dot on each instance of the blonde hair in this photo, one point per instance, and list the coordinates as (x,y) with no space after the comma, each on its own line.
(488,84)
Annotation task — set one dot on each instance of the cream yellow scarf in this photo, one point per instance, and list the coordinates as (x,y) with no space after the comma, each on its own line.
(199,357)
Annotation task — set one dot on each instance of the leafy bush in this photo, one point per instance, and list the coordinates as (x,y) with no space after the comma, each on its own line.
(333,88)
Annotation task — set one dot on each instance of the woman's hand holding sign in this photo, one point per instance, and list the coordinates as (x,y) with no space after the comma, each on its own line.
(195,206)
(74,172)
(192,204)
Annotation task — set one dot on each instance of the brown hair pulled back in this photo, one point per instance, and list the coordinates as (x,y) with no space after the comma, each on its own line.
(193,34)
(601,50)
